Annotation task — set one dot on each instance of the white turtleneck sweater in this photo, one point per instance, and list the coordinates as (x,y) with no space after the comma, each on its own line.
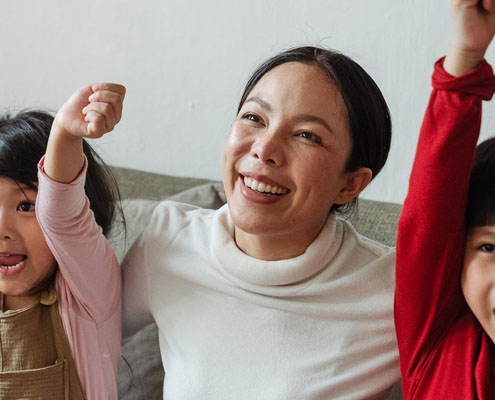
(317,326)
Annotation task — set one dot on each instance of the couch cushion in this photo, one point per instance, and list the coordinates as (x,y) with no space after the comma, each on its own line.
(134,184)
(376,220)
(141,373)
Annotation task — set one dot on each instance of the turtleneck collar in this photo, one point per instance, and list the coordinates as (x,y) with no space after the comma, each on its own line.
(264,276)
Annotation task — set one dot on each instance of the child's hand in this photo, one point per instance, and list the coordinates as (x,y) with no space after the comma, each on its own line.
(473,27)
(91,111)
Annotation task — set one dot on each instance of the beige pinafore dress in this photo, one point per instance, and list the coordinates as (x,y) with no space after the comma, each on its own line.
(35,357)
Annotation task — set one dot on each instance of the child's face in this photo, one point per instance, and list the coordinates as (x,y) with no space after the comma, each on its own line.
(478,276)
(25,259)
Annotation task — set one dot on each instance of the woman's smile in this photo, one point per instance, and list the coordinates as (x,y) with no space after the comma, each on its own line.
(261,186)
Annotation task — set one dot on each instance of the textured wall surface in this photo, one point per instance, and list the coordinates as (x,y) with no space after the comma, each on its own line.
(185,63)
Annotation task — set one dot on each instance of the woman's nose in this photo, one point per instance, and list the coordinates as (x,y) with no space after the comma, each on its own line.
(269,148)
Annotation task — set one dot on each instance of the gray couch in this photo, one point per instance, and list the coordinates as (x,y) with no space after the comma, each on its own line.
(141,374)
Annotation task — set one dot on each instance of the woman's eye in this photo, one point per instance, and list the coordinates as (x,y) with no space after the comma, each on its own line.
(310,136)
(251,117)
(487,248)
(25,206)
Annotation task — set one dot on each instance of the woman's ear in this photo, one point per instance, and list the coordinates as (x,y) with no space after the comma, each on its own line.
(356,182)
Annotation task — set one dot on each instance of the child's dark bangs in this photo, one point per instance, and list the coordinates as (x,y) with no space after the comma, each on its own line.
(481,209)
(23,141)
(481,198)
(14,165)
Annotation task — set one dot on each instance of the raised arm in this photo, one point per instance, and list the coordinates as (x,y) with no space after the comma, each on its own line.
(430,242)
(89,276)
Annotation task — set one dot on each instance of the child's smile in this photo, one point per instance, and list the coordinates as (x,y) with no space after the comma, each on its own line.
(11,264)
(25,259)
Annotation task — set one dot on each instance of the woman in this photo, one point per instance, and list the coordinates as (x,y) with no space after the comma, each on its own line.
(272,296)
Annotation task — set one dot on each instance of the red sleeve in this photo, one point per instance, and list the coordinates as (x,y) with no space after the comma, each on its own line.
(430,243)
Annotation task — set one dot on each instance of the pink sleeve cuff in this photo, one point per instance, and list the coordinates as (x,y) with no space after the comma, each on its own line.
(75,182)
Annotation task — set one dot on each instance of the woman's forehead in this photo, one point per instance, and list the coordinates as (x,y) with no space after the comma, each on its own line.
(302,89)
(299,79)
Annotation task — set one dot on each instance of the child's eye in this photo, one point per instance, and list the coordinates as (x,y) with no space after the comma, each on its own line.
(487,248)
(25,206)
(310,136)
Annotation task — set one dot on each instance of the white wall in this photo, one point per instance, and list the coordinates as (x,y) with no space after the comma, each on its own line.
(185,63)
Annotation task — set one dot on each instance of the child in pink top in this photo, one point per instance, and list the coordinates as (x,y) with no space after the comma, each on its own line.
(53,223)
(445,279)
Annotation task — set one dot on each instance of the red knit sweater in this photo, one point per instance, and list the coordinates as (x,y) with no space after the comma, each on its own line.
(444,352)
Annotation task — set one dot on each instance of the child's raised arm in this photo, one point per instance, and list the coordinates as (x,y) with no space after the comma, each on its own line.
(75,207)
(90,112)
(430,244)
(88,270)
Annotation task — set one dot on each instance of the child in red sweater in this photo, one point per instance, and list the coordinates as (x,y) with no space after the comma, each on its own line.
(445,295)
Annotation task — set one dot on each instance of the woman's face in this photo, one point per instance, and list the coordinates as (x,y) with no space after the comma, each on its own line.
(284,161)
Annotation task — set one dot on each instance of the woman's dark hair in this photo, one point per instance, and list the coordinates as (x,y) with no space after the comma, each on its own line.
(23,140)
(369,116)
(480,210)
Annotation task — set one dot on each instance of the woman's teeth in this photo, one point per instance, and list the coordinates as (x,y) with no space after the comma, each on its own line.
(263,187)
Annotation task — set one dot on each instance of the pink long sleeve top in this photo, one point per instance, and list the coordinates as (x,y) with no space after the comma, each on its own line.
(88,282)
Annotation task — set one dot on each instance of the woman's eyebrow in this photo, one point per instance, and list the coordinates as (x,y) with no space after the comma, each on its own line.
(313,118)
(261,102)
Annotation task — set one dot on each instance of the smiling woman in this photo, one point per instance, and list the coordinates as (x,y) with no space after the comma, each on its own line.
(292,132)
(269,297)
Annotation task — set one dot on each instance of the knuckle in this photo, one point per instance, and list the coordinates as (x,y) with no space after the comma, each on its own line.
(106,108)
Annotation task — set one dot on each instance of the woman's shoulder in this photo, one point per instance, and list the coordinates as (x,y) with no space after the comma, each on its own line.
(170,217)
(363,243)
(363,264)
(174,211)
(364,255)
